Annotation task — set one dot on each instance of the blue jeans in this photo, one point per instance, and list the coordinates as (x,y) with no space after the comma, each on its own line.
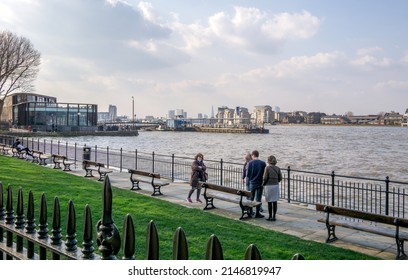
(256,191)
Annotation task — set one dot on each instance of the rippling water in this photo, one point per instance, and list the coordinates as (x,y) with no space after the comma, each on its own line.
(374,152)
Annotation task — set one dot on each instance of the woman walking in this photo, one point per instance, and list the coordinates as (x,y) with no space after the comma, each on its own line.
(271,178)
(197,174)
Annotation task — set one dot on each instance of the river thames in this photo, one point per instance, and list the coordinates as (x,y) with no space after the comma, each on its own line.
(365,151)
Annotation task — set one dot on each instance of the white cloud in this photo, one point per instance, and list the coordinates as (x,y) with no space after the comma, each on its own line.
(405,57)
(368,51)
(392,85)
(258,31)
(371,61)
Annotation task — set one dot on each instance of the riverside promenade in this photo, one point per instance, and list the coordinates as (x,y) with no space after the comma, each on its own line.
(294,219)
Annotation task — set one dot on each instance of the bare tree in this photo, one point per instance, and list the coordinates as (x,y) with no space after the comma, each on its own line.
(19,65)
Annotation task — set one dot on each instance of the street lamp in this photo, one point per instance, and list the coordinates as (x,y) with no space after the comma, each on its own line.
(79,114)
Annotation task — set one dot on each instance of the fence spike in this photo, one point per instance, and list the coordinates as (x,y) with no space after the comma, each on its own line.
(20,218)
(43,232)
(71,240)
(9,206)
(108,237)
(1,202)
(56,236)
(298,256)
(30,226)
(252,253)
(128,238)
(1,216)
(87,243)
(180,245)
(214,249)
(152,242)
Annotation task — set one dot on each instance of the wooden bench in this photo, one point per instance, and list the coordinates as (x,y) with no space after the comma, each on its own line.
(18,153)
(39,157)
(90,166)
(60,159)
(240,197)
(5,149)
(137,176)
(335,216)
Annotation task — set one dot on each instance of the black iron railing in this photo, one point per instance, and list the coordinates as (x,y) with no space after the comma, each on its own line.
(367,194)
(22,239)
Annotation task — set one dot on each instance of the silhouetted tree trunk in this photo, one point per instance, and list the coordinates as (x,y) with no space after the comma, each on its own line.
(19,65)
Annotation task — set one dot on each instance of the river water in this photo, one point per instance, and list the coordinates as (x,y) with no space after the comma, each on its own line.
(366,151)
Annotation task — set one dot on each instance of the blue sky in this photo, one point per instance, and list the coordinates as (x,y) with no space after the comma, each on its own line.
(327,56)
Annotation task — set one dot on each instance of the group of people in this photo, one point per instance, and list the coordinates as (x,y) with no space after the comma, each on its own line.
(260,178)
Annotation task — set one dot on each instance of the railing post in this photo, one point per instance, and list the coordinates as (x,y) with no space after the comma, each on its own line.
(153,161)
(107,157)
(288,184)
(136,159)
(51,146)
(332,187)
(75,152)
(221,171)
(58,146)
(387,195)
(172,167)
(121,159)
(96,153)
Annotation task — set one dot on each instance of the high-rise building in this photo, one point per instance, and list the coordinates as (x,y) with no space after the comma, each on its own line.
(171,114)
(113,112)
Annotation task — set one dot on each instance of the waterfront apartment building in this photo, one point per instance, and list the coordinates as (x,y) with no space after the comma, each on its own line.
(263,114)
(404,121)
(39,112)
(239,116)
(334,120)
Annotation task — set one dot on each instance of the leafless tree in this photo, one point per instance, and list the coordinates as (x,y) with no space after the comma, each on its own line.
(19,64)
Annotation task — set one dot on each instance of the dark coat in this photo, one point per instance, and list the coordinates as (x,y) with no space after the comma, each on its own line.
(197,173)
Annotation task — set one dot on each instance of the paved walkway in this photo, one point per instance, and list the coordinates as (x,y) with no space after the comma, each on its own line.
(294,219)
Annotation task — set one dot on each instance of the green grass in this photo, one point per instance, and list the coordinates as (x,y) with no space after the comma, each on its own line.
(234,235)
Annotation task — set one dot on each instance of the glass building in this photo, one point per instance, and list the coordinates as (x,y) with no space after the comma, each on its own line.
(44,113)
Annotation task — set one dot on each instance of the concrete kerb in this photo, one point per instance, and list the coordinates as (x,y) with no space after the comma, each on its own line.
(298,220)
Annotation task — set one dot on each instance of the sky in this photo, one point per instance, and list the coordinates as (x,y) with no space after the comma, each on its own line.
(333,57)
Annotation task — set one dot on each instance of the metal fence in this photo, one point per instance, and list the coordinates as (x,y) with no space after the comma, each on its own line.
(22,239)
(359,193)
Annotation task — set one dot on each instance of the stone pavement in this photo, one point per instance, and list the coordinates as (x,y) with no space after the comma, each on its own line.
(295,219)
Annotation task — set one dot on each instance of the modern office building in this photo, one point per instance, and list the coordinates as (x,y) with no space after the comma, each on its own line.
(44,113)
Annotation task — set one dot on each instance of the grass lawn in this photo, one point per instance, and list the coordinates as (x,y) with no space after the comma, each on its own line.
(235,236)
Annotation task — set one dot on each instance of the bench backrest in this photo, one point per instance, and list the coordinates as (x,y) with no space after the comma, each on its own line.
(59,156)
(362,215)
(225,189)
(86,163)
(144,173)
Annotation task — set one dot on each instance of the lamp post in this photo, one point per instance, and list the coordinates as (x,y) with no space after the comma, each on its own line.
(79,115)
(133,112)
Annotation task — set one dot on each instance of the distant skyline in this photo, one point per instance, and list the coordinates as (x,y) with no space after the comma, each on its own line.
(314,56)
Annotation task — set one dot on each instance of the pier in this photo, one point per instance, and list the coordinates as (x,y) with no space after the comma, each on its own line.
(232,130)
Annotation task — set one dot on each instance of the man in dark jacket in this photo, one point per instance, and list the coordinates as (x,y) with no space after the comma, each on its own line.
(255,172)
